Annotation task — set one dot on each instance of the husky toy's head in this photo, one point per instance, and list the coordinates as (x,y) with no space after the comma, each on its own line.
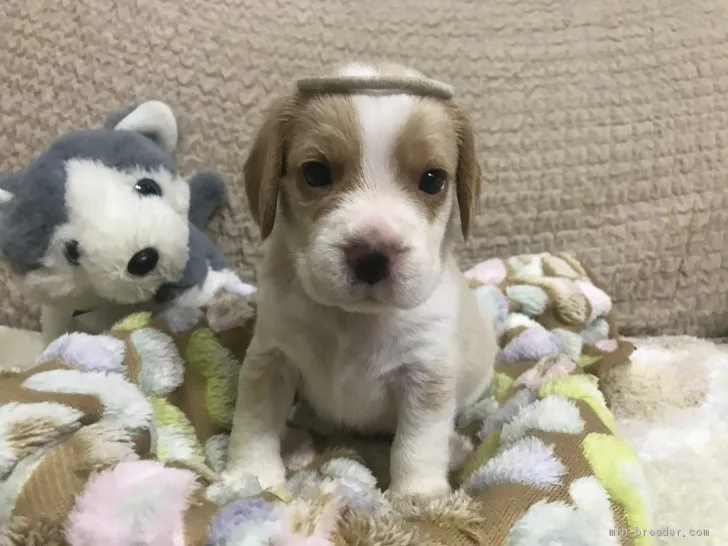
(101,214)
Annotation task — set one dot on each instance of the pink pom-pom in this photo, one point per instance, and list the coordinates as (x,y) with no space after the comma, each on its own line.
(132,504)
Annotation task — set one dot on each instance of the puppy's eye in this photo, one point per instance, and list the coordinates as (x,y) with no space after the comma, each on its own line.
(147,186)
(432,181)
(72,252)
(317,174)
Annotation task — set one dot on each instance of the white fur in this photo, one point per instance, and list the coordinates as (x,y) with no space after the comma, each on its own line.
(162,367)
(364,356)
(589,522)
(365,71)
(554,523)
(529,461)
(51,421)
(552,414)
(594,505)
(5,196)
(156,117)
(358,70)
(86,352)
(112,222)
(632,473)
(215,281)
(123,403)
(13,484)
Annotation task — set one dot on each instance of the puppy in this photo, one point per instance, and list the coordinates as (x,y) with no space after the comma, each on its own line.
(361,306)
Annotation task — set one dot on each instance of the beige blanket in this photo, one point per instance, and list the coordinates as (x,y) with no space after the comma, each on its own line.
(117,439)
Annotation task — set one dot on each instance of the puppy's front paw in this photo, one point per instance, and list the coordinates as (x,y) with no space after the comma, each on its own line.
(420,486)
(230,487)
(269,471)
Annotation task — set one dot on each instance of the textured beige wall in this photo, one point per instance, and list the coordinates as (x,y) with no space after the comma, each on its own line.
(602,125)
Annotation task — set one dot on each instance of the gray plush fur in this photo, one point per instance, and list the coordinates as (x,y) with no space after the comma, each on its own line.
(208,193)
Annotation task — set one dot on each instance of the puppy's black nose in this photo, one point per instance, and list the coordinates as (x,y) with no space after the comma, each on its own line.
(143,262)
(369,265)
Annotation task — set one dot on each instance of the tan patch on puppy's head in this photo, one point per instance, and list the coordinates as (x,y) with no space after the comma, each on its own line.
(325,130)
(439,136)
(427,141)
(299,130)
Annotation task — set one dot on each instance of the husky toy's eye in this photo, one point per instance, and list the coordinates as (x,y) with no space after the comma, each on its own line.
(72,252)
(147,186)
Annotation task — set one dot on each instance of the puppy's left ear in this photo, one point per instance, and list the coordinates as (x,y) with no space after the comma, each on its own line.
(154,119)
(468,175)
(265,165)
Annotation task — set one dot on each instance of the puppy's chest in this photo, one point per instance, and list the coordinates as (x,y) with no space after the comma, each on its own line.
(354,375)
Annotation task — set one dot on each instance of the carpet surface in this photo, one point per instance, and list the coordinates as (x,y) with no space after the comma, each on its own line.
(602,126)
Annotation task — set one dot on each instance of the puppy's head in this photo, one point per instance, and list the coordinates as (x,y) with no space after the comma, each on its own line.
(364,188)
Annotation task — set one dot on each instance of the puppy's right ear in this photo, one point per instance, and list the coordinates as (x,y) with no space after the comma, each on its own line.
(265,165)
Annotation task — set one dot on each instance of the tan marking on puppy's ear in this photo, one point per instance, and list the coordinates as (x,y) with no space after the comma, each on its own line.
(468,174)
(265,166)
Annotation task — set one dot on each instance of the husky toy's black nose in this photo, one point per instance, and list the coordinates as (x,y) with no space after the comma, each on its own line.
(143,262)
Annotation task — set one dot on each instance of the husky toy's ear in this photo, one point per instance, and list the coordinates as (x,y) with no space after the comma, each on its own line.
(154,119)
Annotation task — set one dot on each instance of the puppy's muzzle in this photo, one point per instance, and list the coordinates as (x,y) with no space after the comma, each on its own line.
(371,262)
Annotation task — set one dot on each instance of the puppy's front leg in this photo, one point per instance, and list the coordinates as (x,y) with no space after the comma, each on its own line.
(265,397)
(421,449)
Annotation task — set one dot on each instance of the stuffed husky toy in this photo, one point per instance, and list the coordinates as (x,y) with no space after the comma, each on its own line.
(103,219)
